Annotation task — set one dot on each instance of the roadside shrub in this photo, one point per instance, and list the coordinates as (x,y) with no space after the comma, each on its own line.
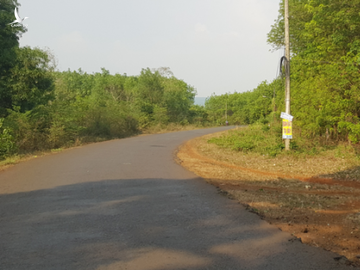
(7,144)
(29,130)
(243,145)
(274,150)
(265,128)
(57,134)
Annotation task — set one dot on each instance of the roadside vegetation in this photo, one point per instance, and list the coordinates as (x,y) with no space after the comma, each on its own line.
(265,140)
(51,109)
(260,147)
(325,82)
(42,108)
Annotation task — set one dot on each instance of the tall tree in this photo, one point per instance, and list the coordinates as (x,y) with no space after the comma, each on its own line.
(30,81)
(9,42)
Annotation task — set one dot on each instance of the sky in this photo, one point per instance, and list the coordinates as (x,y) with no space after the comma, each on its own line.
(216,46)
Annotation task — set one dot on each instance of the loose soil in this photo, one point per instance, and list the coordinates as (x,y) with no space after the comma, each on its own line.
(317,203)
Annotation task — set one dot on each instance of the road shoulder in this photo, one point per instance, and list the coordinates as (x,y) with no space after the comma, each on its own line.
(320,212)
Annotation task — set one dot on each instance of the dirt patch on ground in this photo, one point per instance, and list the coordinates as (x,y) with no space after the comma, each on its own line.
(319,207)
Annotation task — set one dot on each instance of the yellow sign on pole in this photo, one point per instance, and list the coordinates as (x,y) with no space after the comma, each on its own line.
(287,129)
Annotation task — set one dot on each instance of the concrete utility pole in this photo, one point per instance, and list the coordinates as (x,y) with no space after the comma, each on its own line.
(226,111)
(287,67)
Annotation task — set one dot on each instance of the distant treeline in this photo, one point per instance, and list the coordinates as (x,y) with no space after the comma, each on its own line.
(248,107)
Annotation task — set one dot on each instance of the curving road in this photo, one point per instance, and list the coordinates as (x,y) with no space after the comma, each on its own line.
(126,204)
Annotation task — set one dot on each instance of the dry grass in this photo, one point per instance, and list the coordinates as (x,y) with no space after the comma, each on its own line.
(12,160)
(172,127)
(336,161)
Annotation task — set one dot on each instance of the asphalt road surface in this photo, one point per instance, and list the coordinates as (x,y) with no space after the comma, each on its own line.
(126,204)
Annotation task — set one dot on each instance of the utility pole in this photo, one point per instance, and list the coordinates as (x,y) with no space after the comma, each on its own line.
(226,111)
(274,109)
(287,67)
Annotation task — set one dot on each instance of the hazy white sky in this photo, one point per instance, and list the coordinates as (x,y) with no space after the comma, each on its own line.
(217,46)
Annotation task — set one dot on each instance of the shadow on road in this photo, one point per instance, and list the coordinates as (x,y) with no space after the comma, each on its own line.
(116,224)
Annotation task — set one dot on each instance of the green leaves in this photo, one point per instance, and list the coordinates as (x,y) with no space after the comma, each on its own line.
(7,143)
(9,43)
(30,82)
(248,107)
(41,108)
(325,83)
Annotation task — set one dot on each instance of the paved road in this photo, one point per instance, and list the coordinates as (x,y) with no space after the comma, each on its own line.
(125,204)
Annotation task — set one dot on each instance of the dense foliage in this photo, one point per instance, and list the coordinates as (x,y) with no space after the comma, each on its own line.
(9,42)
(51,109)
(325,67)
(41,108)
(325,44)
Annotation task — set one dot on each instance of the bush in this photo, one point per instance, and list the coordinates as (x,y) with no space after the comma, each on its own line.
(7,145)
(29,129)
(243,145)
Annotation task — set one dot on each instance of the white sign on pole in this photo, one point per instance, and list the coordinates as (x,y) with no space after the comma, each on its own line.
(286,116)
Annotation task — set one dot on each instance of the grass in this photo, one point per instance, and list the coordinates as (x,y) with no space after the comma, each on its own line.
(14,159)
(266,139)
(258,138)
(172,127)
(261,147)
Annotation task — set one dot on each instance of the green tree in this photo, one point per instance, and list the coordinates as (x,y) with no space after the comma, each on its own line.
(30,81)
(9,42)
(178,98)
(247,107)
(325,44)
(150,88)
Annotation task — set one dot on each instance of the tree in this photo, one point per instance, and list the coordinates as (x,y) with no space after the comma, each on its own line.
(9,43)
(30,80)
(150,87)
(325,43)
(178,98)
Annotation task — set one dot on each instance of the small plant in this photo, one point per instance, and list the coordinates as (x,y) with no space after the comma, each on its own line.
(243,146)
(267,140)
(259,138)
(7,144)
(265,128)
(274,150)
